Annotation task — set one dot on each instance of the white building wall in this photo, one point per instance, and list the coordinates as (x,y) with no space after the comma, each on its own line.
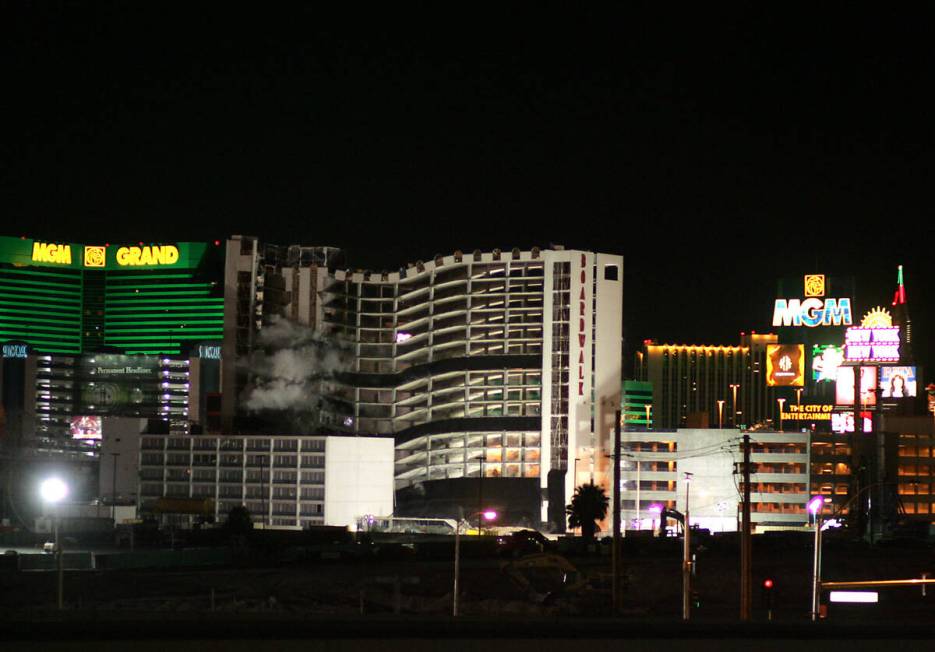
(608,357)
(358,478)
(709,455)
(120,436)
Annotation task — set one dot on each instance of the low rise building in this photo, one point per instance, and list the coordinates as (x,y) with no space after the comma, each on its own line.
(284,481)
(655,464)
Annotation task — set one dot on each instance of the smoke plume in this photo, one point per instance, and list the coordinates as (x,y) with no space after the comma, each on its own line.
(287,368)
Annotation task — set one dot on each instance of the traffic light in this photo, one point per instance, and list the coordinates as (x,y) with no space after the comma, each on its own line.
(768,585)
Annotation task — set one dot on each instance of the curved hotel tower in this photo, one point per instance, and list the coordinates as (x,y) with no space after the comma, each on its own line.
(496,373)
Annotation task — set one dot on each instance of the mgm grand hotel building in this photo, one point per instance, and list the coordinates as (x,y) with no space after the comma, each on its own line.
(95,331)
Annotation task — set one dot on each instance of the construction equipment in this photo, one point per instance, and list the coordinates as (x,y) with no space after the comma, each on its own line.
(544,576)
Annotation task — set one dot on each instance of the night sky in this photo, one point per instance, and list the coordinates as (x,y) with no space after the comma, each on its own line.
(715,152)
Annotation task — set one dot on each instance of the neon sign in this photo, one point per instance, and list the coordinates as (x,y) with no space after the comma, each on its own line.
(209,352)
(15,350)
(95,256)
(880,344)
(812,412)
(148,255)
(50,252)
(812,312)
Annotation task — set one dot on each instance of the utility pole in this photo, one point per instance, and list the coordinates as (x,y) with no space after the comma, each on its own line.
(615,556)
(745,561)
(686,556)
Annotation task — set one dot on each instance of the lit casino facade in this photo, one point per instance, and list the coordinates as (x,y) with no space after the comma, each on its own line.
(96,330)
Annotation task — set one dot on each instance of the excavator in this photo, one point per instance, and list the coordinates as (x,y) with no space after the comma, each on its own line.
(539,571)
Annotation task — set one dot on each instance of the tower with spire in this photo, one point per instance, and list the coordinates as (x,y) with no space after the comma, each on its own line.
(901,317)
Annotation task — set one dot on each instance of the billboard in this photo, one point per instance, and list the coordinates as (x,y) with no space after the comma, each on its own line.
(844,389)
(120,385)
(87,427)
(898,382)
(877,344)
(785,365)
(826,358)
(844,422)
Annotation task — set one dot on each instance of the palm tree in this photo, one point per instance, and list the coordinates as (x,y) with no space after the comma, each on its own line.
(588,505)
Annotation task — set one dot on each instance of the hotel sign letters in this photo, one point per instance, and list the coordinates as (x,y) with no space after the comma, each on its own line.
(813,311)
(582,329)
(148,255)
(50,252)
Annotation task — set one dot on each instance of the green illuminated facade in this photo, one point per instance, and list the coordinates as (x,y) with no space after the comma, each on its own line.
(73,299)
(637,396)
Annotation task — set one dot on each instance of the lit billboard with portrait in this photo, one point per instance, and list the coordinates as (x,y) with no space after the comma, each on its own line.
(826,358)
(898,382)
(844,389)
(87,427)
(785,365)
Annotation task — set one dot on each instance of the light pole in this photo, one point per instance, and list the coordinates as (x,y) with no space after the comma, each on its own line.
(53,491)
(480,493)
(113,491)
(454,603)
(489,515)
(720,414)
(814,508)
(781,402)
(686,556)
(733,388)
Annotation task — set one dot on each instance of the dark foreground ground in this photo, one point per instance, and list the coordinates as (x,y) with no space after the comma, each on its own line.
(400,598)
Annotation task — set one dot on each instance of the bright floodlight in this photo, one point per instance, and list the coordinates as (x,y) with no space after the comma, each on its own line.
(490,515)
(815,504)
(655,508)
(53,490)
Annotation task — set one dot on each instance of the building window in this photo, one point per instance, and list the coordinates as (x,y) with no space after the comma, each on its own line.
(611,273)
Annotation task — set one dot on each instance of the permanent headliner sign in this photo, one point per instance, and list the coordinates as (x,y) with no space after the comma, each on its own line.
(880,344)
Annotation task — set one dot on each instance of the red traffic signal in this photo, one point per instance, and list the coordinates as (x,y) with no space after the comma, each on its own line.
(767,584)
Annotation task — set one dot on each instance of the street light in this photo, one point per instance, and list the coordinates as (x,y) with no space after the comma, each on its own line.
(734,387)
(486,515)
(720,413)
(656,510)
(54,491)
(814,508)
(781,402)
(798,395)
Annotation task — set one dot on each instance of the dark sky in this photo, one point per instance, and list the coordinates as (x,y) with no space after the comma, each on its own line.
(716,152)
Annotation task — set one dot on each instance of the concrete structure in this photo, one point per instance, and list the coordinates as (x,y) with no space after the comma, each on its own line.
(655,463)
(286,481)
(689,380)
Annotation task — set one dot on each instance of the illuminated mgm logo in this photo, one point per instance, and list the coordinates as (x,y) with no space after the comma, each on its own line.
(812,312)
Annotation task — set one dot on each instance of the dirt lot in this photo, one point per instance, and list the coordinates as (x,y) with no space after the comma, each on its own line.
(368,585)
